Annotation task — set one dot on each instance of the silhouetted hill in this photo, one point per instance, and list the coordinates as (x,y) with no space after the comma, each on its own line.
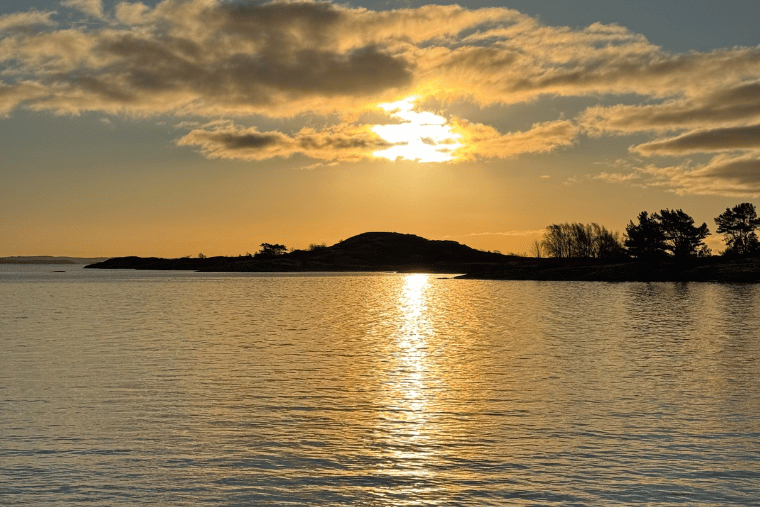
(371,251)
(394,251)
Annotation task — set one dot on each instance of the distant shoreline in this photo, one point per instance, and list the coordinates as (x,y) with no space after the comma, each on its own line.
(49,259)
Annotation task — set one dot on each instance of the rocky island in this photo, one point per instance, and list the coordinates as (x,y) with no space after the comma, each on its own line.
(389,251)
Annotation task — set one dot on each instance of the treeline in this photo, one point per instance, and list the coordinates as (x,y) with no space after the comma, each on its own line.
(664,234)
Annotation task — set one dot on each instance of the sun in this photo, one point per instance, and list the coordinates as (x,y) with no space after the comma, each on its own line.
(422,136)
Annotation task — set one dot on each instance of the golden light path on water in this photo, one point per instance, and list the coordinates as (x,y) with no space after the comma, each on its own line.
(412,340)
(413,384)
(422,136)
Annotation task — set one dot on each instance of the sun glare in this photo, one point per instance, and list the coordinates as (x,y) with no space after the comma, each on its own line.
(422,136)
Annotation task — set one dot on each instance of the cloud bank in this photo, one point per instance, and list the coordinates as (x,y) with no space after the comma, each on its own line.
(213,59)
(342,143)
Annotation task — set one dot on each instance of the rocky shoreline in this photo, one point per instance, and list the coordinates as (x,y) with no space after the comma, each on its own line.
(712,269)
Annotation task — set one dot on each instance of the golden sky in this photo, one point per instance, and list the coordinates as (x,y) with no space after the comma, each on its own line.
(182,126)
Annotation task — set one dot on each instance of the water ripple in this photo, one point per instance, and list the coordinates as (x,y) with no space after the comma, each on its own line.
(125,388)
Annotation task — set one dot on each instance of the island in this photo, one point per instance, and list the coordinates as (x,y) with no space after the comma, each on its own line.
(371,251)
(407,253)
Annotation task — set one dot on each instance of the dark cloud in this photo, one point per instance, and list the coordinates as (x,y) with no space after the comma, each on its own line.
(248,141)
(710,107)
(170,63)
(739,171)
(203,57)
(320,141)
(361,72)
(340,142)
(734,138)
(733,176)
(724,175)
(277,22)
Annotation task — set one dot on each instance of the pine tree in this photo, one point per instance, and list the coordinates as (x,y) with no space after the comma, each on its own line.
(738,226)
(646,240)
(682,237)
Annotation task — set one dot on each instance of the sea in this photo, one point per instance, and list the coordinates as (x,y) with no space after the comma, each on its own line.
(383,389)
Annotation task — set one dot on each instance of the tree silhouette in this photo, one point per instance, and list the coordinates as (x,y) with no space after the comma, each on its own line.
(738,226)
(315,247)
(646,240)
(682,237)
(578,240)
(536,249)
(271,250)
(557,240)
(607,244)
(668,232)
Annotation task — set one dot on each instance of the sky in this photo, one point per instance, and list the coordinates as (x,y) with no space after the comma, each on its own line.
(177,127)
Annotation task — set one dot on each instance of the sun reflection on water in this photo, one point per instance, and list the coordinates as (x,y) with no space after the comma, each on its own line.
(412,341)
(411,387)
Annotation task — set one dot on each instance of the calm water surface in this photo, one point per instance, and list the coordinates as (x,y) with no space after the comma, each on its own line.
(176,388)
